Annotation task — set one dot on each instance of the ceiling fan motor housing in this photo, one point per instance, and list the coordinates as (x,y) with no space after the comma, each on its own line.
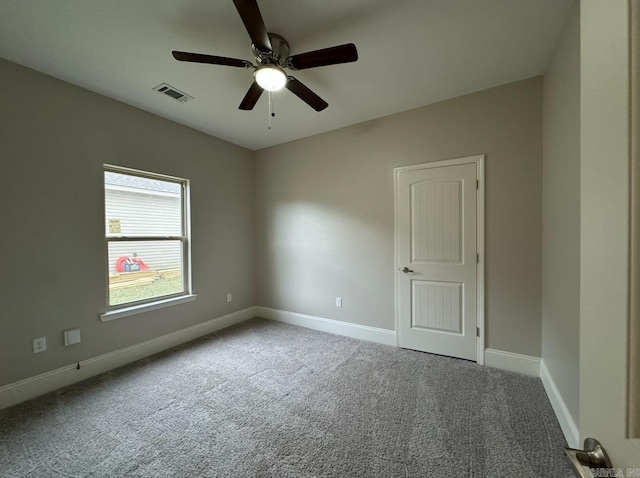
(278,54)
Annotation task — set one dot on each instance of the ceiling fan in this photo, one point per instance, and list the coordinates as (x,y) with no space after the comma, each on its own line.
(272,57)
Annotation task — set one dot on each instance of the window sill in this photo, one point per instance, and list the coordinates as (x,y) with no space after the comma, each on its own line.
(139,309)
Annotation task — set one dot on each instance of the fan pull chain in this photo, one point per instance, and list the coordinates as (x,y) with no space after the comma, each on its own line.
(271,113)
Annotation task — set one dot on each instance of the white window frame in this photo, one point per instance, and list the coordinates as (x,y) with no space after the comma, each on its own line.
(187,295)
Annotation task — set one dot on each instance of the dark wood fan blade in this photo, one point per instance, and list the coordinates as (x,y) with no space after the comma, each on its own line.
(252,96)
(210,59)
(327,56)
(252,19)
(305,94)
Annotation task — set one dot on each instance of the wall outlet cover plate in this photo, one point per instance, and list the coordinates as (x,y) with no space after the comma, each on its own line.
(71,336)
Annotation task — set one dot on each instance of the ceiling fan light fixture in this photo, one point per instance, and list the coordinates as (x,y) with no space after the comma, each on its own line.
(271,77)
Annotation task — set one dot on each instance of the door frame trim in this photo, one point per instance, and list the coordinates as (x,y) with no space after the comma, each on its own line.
(479,162)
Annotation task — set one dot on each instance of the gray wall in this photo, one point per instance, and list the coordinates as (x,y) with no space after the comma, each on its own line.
(561,216)
(325,220)
(54,139)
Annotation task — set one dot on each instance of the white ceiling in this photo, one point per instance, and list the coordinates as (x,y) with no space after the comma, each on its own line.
(411,53)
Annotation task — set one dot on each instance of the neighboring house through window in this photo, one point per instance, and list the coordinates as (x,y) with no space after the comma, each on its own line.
(147,237)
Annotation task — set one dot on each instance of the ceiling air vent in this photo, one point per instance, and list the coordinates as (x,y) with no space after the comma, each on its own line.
(172,92)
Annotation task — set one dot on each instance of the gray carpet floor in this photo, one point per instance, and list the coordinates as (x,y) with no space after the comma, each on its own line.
(265,399)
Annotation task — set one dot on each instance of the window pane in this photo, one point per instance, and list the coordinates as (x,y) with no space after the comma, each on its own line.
(136,206)
(142,270)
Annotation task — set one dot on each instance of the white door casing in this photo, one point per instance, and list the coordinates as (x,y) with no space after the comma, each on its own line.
(440,238)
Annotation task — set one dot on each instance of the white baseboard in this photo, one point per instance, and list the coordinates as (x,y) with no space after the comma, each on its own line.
(567,424)
(362,332)
(525,364)
(22,390)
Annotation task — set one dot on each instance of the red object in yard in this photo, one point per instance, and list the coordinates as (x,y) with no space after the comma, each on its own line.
(130,264)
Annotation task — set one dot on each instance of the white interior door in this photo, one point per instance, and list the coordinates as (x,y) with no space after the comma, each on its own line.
(609,304)
(436,249)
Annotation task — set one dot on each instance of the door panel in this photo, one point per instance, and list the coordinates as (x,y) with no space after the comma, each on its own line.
(437,306)
(436,216)
(437,243)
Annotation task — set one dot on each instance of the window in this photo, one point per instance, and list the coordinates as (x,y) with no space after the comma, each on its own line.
(147,238)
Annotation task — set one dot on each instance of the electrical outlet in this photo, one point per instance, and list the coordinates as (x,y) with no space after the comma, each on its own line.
(229,297)
(338,301)
(39,345)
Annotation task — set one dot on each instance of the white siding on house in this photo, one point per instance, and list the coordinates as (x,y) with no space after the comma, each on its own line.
(144,213)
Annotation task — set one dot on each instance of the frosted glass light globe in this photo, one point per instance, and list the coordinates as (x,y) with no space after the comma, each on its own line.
(271,77)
